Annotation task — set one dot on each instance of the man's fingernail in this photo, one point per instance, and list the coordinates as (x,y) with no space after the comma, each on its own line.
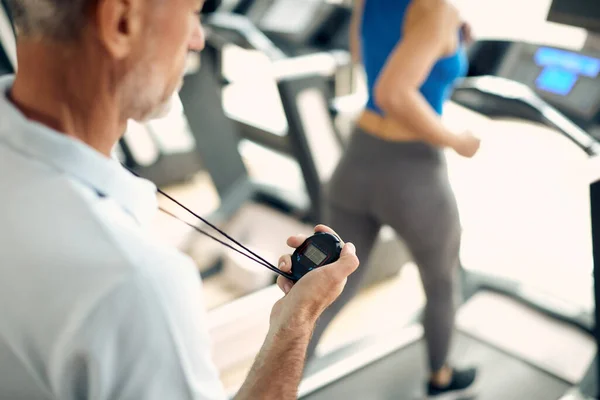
(281,264)
(351,248)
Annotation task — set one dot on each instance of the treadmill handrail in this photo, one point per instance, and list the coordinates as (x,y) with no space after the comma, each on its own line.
(324,63)
(512,90)
(246,29)
(261,136)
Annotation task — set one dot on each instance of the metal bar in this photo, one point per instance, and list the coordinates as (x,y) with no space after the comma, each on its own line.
(595,207)
(512,90)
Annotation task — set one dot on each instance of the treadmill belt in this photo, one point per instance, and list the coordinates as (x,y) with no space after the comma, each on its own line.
(400,376)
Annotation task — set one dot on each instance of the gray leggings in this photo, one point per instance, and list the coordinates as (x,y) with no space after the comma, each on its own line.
(404,185)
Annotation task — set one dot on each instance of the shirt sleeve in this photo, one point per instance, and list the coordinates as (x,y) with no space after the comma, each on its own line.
(148,339)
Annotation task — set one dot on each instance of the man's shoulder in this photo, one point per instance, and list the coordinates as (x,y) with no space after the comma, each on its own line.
(140,253)
(69,224)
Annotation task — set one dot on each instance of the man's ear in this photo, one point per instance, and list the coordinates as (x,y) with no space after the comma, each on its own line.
(119,24)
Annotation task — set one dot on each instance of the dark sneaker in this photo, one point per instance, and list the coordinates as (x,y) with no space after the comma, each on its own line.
(461,386)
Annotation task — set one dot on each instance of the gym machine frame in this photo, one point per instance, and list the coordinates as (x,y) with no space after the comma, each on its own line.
(591,384)
(293,76)
(498,96)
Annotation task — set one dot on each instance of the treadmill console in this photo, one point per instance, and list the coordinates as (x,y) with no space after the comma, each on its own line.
(568,80)
(292,18)
(303,26)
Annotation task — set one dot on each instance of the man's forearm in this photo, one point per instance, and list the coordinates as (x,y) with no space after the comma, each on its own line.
(277,370)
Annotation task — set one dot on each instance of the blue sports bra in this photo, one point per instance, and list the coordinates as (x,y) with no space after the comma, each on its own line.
(381,30)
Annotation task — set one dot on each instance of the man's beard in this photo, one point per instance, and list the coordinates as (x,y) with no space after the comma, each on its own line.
(162,110)
(145,86)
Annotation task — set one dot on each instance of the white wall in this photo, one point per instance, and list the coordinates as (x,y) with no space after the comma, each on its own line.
(519,19)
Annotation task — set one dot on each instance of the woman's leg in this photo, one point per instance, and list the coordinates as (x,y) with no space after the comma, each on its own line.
(361,230)
(421,207)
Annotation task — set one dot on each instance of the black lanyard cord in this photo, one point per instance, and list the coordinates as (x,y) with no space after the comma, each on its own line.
(267,265)
(216,229)
(258,258)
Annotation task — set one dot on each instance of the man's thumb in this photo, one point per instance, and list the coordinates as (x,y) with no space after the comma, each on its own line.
(348,259)
(348,249)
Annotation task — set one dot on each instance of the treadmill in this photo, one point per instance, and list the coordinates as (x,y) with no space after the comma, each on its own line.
(364,369)
(301,27)
(295,27)
(294,78)
(292,30)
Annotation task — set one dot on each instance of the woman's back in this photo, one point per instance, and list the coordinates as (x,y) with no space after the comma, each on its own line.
(381,31)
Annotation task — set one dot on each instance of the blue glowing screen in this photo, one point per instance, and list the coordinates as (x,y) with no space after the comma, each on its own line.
(561,69)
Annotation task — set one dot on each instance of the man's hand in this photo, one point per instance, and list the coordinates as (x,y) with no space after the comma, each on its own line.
(278,367)
(310,296)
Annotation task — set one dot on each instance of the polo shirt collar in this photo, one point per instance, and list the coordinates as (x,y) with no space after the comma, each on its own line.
(74,158)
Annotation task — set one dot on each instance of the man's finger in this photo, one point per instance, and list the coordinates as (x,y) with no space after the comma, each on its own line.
(347,264)
(325,228)
(296,241)
(284,284)
(285,263)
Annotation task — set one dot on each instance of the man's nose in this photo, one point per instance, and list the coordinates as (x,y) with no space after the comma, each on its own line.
(197,41)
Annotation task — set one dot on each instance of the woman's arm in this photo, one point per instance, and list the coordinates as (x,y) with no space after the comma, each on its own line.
(429,34)
(355,23)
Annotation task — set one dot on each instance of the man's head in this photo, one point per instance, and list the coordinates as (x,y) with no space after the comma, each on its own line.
(138,48)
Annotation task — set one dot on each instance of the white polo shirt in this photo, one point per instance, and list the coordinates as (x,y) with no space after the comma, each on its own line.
(91,307)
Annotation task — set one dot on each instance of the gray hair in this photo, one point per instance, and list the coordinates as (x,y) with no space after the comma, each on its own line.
(56,19)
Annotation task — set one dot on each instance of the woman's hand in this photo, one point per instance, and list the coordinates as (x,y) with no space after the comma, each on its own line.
(466,144)
(466,32)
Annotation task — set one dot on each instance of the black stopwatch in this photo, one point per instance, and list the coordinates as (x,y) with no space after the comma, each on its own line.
(320,249)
